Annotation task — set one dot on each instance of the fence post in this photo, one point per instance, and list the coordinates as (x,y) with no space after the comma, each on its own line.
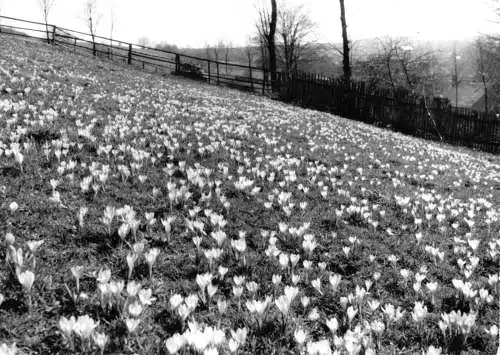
(218,81)
(47,33)
(129,60)
(53,34)
(251,79)
(209,75)
(74,46)
(177,63)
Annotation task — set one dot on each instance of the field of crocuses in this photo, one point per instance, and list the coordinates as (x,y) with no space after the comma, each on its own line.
(150,215)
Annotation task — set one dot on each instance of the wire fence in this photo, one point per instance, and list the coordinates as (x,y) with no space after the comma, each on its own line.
(430,118)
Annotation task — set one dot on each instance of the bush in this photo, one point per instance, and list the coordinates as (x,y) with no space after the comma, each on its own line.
(191,71)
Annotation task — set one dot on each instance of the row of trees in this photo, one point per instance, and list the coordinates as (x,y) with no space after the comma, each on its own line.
(91,17)
(285,35)
(284,40)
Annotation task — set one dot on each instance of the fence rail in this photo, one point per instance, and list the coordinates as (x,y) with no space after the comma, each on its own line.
(430,118)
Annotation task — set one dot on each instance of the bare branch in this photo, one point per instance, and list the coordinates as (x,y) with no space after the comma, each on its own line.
(295,30)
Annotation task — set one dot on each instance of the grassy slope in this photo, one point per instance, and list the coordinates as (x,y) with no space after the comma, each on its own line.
(173,120)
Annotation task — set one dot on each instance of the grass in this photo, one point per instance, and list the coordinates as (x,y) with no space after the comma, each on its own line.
(367,216)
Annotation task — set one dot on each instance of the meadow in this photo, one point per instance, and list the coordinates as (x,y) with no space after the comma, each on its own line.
(142,214)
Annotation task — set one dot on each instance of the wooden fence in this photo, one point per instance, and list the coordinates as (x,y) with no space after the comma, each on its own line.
(430,118)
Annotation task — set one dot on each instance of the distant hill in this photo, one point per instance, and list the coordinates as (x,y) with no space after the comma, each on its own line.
(328,61)
(328,55)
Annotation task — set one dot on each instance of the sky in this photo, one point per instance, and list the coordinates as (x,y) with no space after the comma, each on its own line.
(196,23)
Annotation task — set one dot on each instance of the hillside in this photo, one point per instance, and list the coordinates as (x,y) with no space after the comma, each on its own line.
(142,214)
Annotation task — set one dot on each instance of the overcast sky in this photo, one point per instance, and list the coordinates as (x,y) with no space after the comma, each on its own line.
(198,22)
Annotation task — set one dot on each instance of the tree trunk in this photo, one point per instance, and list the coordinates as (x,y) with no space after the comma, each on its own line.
(47,31)
(287,55)
(272,43)
(345,40)
(94,52)
(405,71)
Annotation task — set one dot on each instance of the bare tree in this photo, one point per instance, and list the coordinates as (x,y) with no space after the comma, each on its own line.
(208,51)
(218,50)
(372,71)
(295,29)
(418,67)
(143,41)
(92,18)
(382,69)
(111,27)
(266,30)
(227,50)
(214,52)
(250,54)
(399,65)
(388,48)
(488,62)
(345,40)
(46,6)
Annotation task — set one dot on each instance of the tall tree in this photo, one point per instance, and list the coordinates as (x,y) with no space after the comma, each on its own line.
(46,6)
(345,41)
(266,28)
